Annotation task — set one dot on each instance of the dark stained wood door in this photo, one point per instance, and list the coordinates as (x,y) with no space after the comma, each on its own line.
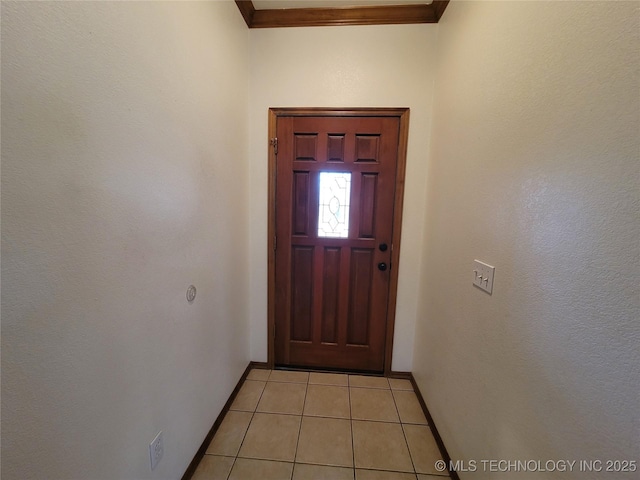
(335,189)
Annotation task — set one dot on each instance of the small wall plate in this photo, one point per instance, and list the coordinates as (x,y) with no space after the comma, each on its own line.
(191,293)
(483,276)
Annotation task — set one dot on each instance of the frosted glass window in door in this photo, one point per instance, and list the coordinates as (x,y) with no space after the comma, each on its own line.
(335,194)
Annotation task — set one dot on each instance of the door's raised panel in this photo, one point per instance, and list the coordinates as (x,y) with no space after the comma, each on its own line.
(360,296)
(300,210)
(301,293)
(368,193)
(335,148)
(367,148)
(305,146)
(330,294)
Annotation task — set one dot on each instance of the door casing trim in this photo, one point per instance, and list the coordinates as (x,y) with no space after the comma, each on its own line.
(403,115)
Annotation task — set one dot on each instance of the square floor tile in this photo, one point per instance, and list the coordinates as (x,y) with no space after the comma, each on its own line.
(373,404)
(325,441)
(327,401)
(321,472)
(288,376)
(423,448)
(380,446)
(271,437)
(400,384)
(248,396)
(213,468)
(368,382)
(383,475)
(339,379)
(259,374)
(230,434)
(409,407)
(249,469)
(282,398)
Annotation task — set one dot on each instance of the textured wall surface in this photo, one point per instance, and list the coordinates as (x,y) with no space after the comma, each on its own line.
(534,169)
(134,162)
(124,180)
(375,66)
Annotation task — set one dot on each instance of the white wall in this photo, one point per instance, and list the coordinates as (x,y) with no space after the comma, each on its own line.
(124,180)
(364,66)
(535,169)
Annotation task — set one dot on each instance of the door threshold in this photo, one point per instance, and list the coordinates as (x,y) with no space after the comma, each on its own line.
(295,368)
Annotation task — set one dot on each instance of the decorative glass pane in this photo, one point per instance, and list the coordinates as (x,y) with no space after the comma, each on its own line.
(335,193)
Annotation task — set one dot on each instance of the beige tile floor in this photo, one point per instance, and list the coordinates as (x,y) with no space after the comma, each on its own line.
(322,426)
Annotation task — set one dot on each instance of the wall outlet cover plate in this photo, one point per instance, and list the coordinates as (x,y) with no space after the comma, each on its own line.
(156,450)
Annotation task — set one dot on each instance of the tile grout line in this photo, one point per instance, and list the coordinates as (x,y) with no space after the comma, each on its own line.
(439,475)
(295,453)
(253,414)
(402,424)
(413,464)
(353,444)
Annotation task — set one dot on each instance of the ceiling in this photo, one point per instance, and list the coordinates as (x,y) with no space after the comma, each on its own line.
(310,13)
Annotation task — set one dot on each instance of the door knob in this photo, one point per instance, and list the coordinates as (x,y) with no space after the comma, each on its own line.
(382,266)
(383,247)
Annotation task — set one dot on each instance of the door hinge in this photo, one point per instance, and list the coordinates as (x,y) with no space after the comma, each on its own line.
(275,243)
(274,143)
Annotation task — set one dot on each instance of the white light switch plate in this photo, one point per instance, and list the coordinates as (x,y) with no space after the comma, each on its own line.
(483,276)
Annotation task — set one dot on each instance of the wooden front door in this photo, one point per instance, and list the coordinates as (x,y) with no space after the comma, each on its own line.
(335,195)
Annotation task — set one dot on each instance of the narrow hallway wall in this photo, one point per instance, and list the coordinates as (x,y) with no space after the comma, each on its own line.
(124,180)
(534,169)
